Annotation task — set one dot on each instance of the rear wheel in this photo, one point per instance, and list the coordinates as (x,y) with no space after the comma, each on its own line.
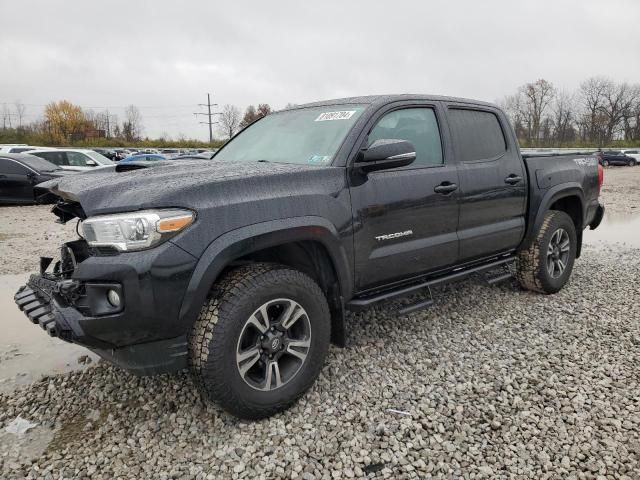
(260,340)
(547,264)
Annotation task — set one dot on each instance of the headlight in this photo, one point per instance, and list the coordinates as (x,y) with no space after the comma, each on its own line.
(135,230)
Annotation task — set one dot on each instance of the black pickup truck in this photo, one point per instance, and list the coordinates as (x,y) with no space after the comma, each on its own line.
(241,267)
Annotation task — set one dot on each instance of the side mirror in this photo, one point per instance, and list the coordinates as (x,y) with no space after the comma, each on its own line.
(91,163)
(386,153)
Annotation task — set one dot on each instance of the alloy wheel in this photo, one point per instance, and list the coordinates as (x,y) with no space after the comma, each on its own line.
(558,253)
(274,344)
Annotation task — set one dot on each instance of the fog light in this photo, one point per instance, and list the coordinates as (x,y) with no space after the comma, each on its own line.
(114,298)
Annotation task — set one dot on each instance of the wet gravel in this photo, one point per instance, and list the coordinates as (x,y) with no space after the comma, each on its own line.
(490,382)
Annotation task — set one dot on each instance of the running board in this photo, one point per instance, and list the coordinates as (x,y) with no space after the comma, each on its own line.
(362,303)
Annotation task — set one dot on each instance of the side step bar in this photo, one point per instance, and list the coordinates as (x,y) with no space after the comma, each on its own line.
(362,303)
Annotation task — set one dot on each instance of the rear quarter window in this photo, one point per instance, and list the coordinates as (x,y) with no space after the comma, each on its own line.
(477,134)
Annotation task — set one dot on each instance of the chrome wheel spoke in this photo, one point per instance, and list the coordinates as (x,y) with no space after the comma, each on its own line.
(273,373)
(261,323)
(247,359)
(291,315)
(561,266)
(293,344)
(564,246)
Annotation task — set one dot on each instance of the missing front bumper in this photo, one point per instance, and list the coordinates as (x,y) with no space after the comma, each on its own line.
(35,300)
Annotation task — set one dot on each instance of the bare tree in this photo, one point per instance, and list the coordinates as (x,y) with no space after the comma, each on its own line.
(513,105)
(6,116)
(229,120)
(563,117)
(536,98)
(618,101)
(631,121)
(264,109)
(250,116)
(592,94)
(20,109)
(132,125)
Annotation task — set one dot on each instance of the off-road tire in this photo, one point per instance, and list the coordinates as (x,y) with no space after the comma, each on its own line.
(214,337)
(532,272)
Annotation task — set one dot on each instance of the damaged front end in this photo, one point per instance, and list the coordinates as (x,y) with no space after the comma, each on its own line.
(121,303)
(55,300)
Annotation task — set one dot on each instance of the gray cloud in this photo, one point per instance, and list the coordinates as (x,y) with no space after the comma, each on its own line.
(164,56)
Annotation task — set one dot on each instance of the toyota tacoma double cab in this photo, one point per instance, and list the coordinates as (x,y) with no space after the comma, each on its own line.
(241,268)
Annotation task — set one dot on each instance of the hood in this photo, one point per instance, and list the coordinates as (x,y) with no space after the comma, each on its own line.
(184,183)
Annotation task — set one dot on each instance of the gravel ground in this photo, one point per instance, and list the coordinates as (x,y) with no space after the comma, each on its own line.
(30,233)
(621,190)
(490,382)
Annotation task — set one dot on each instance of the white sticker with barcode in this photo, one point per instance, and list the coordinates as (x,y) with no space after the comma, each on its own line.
(343,115)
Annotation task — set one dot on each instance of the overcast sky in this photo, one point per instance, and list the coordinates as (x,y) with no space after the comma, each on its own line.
(164,56)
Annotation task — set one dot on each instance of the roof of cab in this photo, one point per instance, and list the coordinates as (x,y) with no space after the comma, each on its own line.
(384,99)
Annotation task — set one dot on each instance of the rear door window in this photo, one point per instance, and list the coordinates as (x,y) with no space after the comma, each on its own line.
(477,134)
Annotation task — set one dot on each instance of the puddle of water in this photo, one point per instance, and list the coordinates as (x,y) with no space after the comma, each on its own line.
(26,351)
(624,229)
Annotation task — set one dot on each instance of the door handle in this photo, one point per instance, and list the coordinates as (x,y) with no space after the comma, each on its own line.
(445,188)
(513,179)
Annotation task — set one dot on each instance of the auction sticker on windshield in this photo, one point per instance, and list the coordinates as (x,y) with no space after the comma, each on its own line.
(342,115)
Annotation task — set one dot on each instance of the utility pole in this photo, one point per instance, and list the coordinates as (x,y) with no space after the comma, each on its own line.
(108,125)
(209,115)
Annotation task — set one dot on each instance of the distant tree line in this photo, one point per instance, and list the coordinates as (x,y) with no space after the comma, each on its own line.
(601,112)
(65,123)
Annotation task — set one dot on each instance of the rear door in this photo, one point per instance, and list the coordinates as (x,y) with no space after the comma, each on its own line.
(492,182)
(16,181)
(402,225)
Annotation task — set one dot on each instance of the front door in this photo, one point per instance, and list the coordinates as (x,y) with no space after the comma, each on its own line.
(492,183)
(405,219)
(15,181)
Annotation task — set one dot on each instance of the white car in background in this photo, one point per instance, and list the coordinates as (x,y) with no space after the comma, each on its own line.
(76,159)
(20,148)
(633,152)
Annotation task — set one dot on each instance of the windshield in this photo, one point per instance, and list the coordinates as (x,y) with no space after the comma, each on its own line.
(101,159)
(308,136)
(38,164)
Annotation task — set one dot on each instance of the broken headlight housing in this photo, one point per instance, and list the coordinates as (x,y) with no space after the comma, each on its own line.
(135,230)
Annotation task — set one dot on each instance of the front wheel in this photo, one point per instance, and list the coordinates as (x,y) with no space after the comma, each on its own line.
(546,265)
(632,163)
(260,340)
(605,163)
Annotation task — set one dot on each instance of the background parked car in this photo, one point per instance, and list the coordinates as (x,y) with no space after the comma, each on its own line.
(74,159)
(20,148)
(635,153)
(615,157)
(20,172)
(144,157)
(107,152)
